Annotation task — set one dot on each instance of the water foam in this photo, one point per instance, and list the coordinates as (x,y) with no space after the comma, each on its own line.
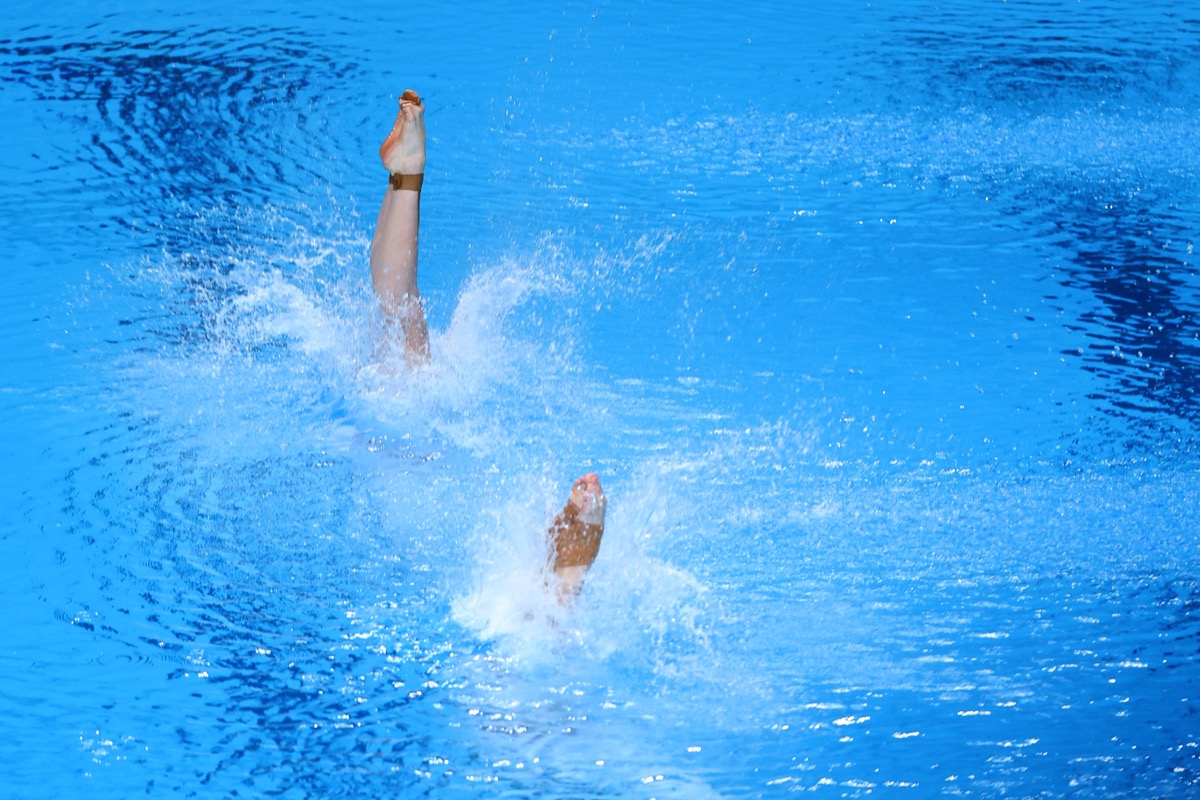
(511,413)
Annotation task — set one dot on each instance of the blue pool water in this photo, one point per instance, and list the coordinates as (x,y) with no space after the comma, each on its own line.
(878,321)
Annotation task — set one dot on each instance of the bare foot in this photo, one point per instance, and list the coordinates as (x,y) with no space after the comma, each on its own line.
(574,536)
(403,151)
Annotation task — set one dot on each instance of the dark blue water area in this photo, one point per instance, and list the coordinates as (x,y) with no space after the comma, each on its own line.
(876,319)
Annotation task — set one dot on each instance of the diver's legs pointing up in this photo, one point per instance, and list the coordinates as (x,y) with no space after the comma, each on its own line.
(574,537)
(394,246)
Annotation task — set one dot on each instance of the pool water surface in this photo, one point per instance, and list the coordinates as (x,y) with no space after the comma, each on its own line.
(877,320)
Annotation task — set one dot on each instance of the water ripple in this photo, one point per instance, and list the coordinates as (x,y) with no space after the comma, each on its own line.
(167,118)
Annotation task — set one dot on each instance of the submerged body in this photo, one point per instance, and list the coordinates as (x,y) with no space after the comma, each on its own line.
(573,539)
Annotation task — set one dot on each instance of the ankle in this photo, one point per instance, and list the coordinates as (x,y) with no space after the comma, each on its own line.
(411,183)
